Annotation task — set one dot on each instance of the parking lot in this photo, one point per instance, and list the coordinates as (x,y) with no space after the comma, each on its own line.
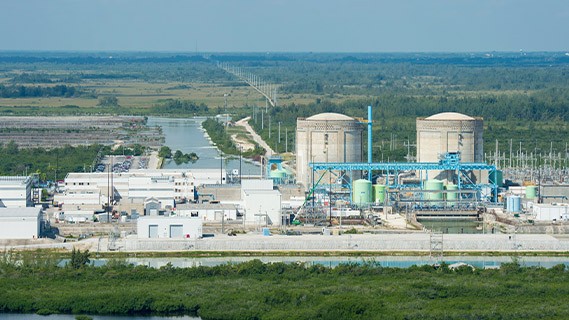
(119,164)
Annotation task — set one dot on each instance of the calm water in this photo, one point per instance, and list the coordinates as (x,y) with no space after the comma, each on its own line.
(23,316)
(384,261)
(185,135)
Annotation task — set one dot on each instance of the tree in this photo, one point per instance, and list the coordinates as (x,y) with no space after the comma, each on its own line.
(165,152)
(108,101)
(79,259)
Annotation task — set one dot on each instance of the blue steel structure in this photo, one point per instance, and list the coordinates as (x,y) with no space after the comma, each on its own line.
(450,161)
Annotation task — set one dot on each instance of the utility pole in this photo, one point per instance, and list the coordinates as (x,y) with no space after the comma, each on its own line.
(286,140)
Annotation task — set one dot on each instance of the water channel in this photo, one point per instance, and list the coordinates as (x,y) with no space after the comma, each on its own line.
(384,261)
(187,136)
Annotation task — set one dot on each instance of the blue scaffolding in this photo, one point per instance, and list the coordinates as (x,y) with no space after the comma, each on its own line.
(448,162)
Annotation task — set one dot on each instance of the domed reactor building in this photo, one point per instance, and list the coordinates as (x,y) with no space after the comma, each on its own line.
(326,137)
(450,132)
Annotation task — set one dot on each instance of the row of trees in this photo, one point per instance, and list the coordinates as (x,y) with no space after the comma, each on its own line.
(255,290)
(20,91)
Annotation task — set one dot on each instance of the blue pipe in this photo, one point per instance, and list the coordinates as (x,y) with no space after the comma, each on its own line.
(369,159)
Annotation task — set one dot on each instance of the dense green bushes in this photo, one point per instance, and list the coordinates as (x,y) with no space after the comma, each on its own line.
(254,290)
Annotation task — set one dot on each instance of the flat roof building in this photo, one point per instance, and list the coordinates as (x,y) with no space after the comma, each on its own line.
(20,223)
(15,192)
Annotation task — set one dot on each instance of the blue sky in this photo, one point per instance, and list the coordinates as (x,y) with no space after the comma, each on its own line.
(285,25)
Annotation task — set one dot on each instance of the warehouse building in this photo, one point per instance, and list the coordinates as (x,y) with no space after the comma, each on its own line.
(208,212)
(261,203)
(20,223)
(132,189)
(169,227)
(15,192)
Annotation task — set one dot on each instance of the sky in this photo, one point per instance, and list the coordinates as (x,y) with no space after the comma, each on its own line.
(285,25)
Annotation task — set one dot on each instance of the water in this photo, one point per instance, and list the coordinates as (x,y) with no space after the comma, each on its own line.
(384,261)
(24,316)
(185,135)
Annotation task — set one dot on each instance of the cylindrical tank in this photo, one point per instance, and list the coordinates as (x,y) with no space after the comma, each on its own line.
(450,132)
(361,192)
(434,185)
(379,193)
(326,137)
(499,178)
(531,192)
(278,174)
(451,195)
(513,204)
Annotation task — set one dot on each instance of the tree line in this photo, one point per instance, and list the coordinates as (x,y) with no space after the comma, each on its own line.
(256,290)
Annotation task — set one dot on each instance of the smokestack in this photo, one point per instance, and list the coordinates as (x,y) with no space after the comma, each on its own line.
(369,159)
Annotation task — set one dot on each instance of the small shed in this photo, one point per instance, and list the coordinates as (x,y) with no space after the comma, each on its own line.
(20,223)
(152,206)
(169,227)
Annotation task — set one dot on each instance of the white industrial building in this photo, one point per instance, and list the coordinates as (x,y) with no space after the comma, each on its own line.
(262,204)
(15,192)
(326,137)
(209,212)
(551,212)
(20,223)
(136,186)
(169,227)
(82,195)
(450,132)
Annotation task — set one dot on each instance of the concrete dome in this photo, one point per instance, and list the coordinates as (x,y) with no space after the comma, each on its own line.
(449,116)
(329,116)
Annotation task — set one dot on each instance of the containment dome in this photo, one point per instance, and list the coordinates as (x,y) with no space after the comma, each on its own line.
(326,137)
(450,132)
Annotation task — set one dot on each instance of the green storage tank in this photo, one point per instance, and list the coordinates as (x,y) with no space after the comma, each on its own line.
(278,174)
(379,191)
(434,185)
(361,192)
(451,195)
(531,192)
(499,178)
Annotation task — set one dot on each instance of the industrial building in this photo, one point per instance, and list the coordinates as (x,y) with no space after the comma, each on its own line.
(15,192)
(326,137)
(169,227)
(209,212)
(132,189)
(20,223)
(450,132)
(261,203)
